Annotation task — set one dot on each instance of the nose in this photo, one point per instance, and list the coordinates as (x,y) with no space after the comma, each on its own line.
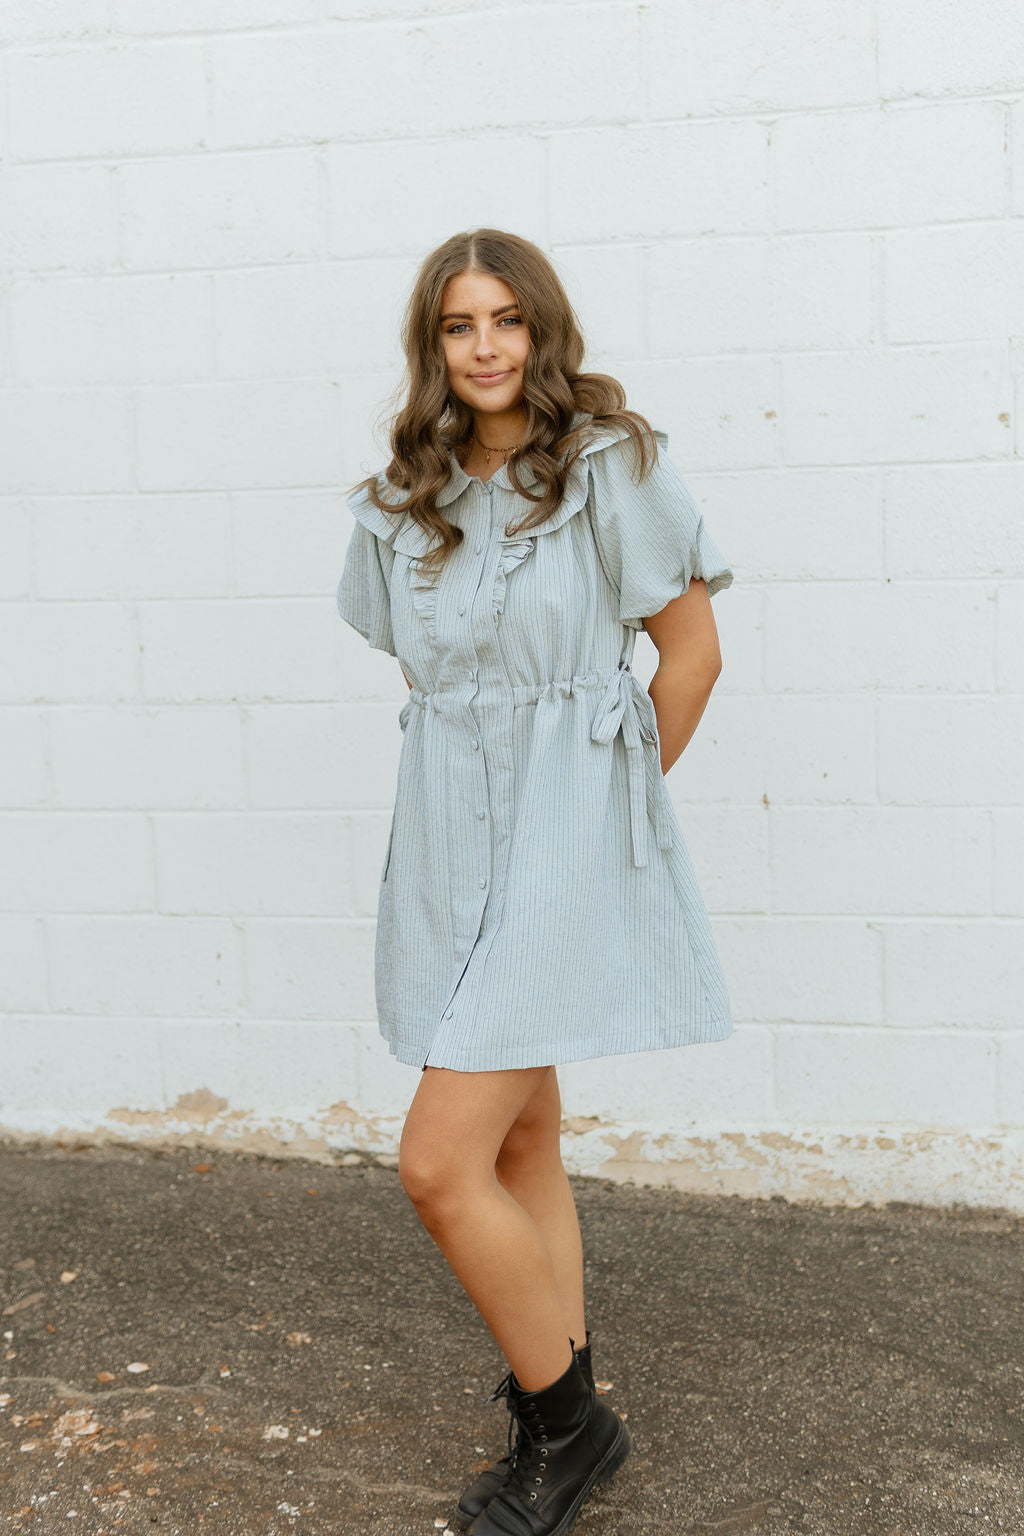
(485,343)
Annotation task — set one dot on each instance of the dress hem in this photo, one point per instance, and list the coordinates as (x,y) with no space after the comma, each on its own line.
(722,1027)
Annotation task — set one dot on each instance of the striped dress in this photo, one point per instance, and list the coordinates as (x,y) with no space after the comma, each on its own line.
(537,901)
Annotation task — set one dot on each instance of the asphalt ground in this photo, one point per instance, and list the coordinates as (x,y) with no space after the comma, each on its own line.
(223,1344)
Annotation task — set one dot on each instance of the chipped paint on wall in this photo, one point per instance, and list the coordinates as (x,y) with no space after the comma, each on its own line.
(866,1165)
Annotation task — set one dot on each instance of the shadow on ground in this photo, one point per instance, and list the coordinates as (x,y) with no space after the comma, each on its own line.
(203,1343)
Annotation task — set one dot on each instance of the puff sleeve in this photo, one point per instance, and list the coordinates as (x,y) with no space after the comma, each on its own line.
(651,537)
(364,592)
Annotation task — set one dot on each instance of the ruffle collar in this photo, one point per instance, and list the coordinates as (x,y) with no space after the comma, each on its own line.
(410,539)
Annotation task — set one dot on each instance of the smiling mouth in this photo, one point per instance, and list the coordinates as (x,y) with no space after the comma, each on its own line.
(489,378)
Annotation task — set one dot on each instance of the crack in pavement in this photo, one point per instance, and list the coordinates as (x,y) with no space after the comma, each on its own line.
(105,1394)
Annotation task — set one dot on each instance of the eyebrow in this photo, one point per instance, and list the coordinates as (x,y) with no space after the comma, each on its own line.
(494,313)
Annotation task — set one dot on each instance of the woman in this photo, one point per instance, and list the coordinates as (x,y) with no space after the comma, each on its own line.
(537,902)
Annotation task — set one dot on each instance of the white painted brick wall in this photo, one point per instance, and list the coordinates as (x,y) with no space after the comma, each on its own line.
(796,233)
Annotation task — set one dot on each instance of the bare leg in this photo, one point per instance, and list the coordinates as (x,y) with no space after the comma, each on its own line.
(454,1131)
(530,1168)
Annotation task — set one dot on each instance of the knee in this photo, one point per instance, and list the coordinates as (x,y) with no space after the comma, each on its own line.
(430,1182)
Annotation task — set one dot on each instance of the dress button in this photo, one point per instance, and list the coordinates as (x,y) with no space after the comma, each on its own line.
(448,1014)
(476,745)
(461,612)
(479,547)
(481,813)
(483,882)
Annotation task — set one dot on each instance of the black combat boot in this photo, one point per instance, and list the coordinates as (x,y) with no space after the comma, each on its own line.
(568,1439)
(482,1489)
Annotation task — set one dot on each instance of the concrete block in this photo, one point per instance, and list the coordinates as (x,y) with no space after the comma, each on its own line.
(673,1087)
(823,637)
(269,432)
(48,21)
(607,287)
(121,99)
(735,294)
(91,426)
(150,546)
(111,330)
(1008,863)
(220,210)
(22,966)
(953,49)
(282,865)
(65,1073)
(231,1068)
(1010,1090)
(959,282)
(915,403)
(167,757)
(1010,637)
(819,749)
(68,652)
(719,413)
(706,61)
(310,318)
(879,860)
(668,178)
(24,765)
(803,970)
(288,543)
(907,1077)
(489,182)
(54,862)
(728,845)
(153,16)
(319,756)
(257,649)
(724,760)
(298,969)
(960,975)
(936,636)
(955,520)
(15,550)
(57,218)
(796,524)
(875,165)
(959,751)
(145,965)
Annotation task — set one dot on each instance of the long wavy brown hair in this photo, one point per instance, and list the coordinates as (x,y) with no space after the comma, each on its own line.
(432,420)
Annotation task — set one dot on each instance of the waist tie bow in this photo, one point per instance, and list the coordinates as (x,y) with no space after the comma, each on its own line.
(628,707)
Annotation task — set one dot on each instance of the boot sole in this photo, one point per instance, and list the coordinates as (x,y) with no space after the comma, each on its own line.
(610,1463)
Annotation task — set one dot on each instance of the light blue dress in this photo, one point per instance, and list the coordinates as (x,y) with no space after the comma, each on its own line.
(537,901)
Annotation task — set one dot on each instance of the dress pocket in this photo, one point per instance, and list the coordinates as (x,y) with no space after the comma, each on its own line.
(387,856)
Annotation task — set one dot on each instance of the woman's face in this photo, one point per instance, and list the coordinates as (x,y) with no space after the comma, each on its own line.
(485,341)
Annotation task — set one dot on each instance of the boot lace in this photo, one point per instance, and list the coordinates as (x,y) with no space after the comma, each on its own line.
(527,1445)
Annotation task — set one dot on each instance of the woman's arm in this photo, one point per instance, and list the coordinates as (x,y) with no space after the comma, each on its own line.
(689,662)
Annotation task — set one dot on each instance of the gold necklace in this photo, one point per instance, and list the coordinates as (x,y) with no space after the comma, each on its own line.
(488,451)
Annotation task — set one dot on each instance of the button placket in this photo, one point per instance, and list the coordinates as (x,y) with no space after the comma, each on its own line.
(468,667)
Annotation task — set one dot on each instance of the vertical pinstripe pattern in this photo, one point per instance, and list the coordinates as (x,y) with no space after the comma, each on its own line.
(537,903)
